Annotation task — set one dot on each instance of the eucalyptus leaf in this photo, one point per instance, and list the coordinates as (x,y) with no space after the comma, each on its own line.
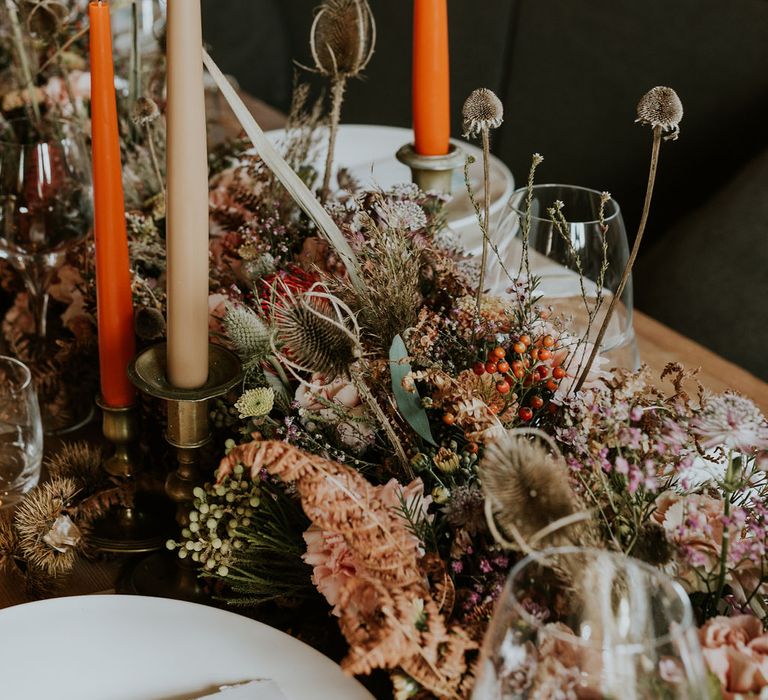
(408,402)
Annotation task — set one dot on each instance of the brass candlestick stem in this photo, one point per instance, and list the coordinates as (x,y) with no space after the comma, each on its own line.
(164,574)
(134,528)
(432,172)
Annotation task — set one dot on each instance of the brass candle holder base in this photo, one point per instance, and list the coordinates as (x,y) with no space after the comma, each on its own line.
(432,172)
(140,527)
(164,574)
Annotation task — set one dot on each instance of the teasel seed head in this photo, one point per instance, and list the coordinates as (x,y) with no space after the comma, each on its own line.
(661,107)
(528,489)
(145,111)
(248,333)
(482,110)
(48,538)
(342,37)
(316,332)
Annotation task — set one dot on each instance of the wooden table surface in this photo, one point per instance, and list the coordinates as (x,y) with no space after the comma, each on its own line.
(659,344)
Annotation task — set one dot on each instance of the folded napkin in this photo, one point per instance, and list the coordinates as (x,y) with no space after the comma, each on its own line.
(252,690)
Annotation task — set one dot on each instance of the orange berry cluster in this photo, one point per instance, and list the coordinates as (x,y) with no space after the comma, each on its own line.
(526,370)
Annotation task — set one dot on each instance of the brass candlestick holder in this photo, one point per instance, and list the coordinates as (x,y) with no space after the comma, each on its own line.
(139,527)
(164,574)
(432,172)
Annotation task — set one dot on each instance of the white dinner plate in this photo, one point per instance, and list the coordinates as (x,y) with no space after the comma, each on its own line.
(114,647)
(368,152)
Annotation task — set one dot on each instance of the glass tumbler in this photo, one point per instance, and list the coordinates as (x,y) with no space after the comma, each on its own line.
(590,624)
(21,432)
(558,256)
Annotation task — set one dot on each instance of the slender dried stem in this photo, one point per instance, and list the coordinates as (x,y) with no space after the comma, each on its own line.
(153,156)
(632,256)
(486,214)
(370,400)
(338,85)
(21,51)
(134,78)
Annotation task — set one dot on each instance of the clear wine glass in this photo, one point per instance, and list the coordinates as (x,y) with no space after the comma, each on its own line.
(21,432)
(590,624)
(45,207)
(556,260)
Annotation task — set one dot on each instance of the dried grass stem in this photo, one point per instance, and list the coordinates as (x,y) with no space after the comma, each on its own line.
(657,132)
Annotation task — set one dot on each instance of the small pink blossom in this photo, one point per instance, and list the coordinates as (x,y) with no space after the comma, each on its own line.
(736,651)
(338,403)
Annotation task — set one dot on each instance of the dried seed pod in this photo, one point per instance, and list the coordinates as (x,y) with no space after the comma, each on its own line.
(145,111)
(661,107)
(342,37)
(482,110)
(48,538)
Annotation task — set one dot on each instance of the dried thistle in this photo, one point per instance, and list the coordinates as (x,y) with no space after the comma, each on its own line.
(317,332)
(48,539)
(482,112)
(661,109)
(79,461)
(248,333)
(528,493)
(342,40)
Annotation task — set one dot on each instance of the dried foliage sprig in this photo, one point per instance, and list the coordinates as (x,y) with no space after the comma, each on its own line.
(482,112)
(661,109)
(389,303)
(388,613)
(342,40)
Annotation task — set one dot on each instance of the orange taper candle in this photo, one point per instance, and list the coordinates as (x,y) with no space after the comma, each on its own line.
(117,343)
(431,78)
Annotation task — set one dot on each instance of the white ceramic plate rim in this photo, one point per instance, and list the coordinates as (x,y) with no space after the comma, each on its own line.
(115,647)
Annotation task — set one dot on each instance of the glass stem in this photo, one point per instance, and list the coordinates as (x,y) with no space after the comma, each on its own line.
(37,274)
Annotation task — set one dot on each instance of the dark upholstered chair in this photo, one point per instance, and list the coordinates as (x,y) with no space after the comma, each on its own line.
(570,74)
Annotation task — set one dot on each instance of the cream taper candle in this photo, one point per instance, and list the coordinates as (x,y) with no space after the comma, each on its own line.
(187,205)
